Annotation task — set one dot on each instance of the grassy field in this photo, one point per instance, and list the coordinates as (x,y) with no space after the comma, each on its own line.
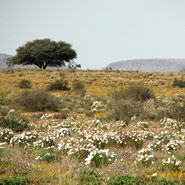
(91,127)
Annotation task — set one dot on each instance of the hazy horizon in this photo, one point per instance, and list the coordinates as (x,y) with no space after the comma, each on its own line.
(101,31)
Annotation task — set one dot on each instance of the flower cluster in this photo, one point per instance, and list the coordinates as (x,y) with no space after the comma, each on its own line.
(6,135)
(170,123)
(145,157)
(24,139)
(173,146)
(171,163)
(46,116)
(100,158)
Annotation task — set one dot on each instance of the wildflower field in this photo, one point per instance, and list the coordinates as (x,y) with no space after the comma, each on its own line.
(74,127)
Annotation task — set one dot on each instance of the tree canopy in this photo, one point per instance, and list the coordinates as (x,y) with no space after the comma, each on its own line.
(44,53)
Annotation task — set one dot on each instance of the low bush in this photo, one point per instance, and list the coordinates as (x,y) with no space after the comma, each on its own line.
(25,84)
(171,108)
(101,159)
(125,180)
(125,109)
(46,155)
(61,85)
(37,100)
(135,92)
(4,111)
(14,122)
(89,177)
(179,83)
(78,87)
(14,180)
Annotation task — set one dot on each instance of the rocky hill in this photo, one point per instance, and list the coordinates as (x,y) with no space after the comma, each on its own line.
(3,60)
(149,65)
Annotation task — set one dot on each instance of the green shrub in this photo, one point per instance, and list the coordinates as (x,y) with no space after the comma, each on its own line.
(171,108)
(89,178)
(179,83)
(129,102)
(46,155)
(37,100)
(126,109)
(78,87)
(4,111)
(135,92)
(14,122)
(101,159)
(25,84)
(61,85)
(125,180)
(14,180)
(49,158)
(3,100)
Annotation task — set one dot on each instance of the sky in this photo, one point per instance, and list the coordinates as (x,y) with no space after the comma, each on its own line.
(100,31)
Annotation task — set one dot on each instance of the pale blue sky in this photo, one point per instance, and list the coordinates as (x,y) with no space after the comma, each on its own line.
(101,31)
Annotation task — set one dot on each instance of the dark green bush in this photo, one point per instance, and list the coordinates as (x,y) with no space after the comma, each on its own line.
(25,84)
(179,83)
(14,122)
(89,178)
(61,85)
(37,100)
(125,180)
(14,181)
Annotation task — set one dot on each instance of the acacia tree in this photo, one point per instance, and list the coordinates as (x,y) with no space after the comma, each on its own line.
(44,53)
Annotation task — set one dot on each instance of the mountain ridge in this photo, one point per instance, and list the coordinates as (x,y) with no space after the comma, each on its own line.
(149,65)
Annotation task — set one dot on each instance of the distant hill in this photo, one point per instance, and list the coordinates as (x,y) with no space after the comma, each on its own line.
(149,65)
(3,60)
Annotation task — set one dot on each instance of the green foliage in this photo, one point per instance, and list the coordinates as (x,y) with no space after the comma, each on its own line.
(46,155)
(14,122)
(126,109)
(25,84)
(128,102)
(135,92)
(171,108)
(179,83)
(4,111)
(49,158)
(125,180)
(3,154)
(14,180)
(89,178)
(37,100)
(101,159)
(60,84)
(44,53)
(78,87)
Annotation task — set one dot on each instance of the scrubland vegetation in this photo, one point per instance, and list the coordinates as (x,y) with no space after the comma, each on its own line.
(74,127)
